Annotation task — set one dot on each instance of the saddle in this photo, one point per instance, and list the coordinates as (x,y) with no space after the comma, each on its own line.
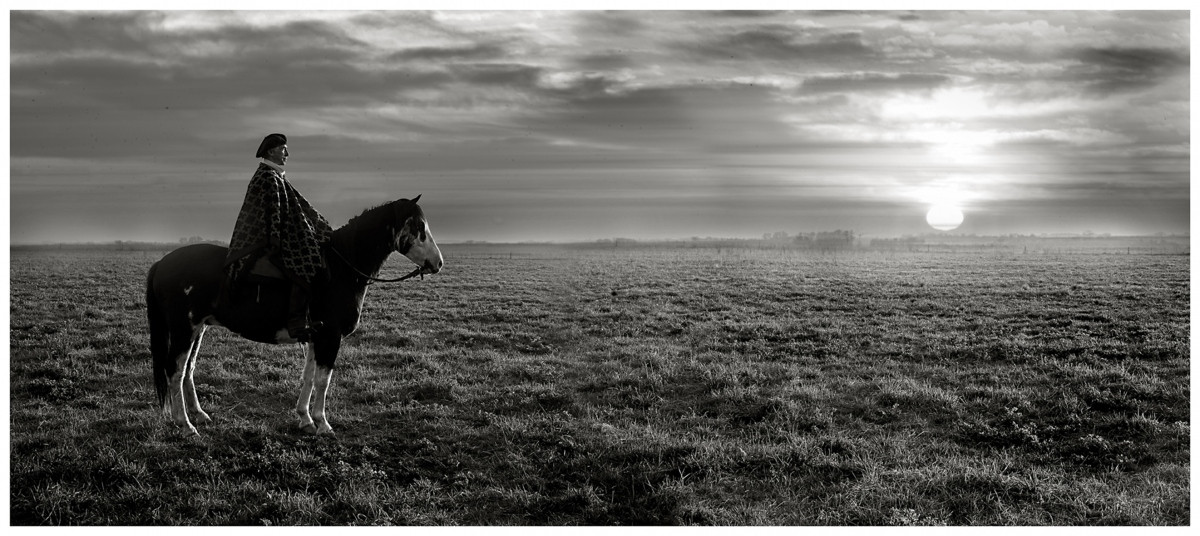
(262,273)
(263,267)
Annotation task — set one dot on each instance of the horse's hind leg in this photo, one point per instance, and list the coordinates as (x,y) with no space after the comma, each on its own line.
(181,342)
(189,383)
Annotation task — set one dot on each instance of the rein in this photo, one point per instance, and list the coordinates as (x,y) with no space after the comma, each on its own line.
(372,279)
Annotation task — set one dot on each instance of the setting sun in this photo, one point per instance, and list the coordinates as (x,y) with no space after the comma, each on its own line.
(944,217)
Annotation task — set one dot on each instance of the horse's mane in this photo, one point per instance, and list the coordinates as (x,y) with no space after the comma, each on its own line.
(371,217)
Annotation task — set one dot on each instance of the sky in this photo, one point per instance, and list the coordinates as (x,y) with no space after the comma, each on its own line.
(584,125)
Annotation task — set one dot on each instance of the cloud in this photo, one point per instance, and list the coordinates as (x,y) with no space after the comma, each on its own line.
(872,82)
(1110,70)
(610,24)
(301,63)
(605,61)
(144,36)
(39,35)
(471,52)
(568,108)
(695,120)
(515,75)
(780,42)
(745,13)
(1073,136)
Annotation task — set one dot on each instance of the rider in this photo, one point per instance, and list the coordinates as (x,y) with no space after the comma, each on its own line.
(278,222)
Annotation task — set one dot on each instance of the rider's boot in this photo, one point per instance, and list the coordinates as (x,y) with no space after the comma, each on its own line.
(297,323)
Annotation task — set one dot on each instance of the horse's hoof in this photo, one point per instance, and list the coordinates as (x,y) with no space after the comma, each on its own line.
(308,429)
(325,430)
(184,426)
(202,418)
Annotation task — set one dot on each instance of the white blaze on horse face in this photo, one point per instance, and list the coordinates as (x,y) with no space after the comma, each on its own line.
(423,250)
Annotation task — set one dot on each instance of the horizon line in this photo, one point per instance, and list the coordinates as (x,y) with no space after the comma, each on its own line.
(935,234)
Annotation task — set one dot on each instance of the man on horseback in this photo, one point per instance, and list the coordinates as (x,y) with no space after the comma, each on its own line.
(276,222)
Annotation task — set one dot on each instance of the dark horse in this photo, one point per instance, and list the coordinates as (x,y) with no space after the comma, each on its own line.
(182,291)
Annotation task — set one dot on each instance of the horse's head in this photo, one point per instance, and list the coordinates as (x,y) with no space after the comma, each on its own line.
(413,239)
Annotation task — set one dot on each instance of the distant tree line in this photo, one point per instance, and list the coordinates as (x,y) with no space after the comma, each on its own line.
(820,240)
(118,245)
(825,240)
(850,241)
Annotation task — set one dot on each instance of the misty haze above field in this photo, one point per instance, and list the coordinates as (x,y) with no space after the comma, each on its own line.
(585,125)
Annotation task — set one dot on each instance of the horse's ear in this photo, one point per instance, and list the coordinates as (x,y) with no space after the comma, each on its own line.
(417,198)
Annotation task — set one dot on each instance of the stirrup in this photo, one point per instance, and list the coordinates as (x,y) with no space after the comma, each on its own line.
(303,334)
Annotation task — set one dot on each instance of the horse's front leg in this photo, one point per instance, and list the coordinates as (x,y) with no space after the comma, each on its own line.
(306,389)
(324,374)
(325,351)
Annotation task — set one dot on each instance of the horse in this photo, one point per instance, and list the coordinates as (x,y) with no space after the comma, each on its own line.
(185,295)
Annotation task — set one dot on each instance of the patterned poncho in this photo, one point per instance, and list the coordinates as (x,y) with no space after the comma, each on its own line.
(275,216)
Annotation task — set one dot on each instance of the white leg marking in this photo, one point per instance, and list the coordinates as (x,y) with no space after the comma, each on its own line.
(175,397)
(306,388)
(322,386)
(189,383)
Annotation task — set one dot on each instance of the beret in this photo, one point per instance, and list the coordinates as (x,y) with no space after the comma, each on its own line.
(270,142)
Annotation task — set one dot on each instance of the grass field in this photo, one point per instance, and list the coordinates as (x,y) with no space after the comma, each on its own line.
(556,386)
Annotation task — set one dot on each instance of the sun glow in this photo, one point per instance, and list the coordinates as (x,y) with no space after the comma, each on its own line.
(945,199)
(943,105)
(944,217)
(947,121)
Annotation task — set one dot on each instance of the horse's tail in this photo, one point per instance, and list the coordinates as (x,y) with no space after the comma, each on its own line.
(159,336)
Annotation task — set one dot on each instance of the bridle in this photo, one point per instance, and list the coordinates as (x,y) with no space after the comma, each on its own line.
(371,279)
(420,270)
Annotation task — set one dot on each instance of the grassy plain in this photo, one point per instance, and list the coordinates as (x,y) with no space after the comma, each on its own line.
(648,387)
